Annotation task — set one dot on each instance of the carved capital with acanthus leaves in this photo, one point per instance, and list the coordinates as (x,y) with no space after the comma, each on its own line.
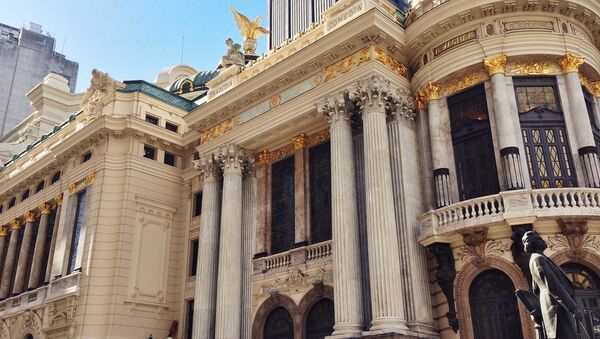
(233,158)
(208,166)
(374,90)
(495,65)
(15,224)
(402,104)
(336,107)
(3,231)
(45,208)
(29,216)
(431,91)
(570,63)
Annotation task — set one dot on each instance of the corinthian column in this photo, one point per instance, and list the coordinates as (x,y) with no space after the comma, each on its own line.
(229,282)
(24,253)
(346,247)
(508,134)
(9,264)
(384,256)
(588,154)
(40,245)
(206,282)
(438,125)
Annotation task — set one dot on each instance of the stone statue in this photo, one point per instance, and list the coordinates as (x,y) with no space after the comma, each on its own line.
(101,85)
(233,56)
(551,285)
(250,30)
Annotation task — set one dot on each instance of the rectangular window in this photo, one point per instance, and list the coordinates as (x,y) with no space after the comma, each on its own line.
(319,158)
(282,205)
(189,318)
(151,119)
(77,224)
(169,159)
(149,152)
(536,93)
(172,127)
(590,104)
(86,157)
(197,204)
(193,257)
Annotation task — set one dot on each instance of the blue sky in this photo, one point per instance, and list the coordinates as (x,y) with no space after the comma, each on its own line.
(134,39)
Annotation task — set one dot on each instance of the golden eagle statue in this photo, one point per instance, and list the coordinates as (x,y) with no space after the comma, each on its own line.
(250,30)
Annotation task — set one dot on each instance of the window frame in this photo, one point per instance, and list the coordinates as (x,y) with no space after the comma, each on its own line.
(149,118)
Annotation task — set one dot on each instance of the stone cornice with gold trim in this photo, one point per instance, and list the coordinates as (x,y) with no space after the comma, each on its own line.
(495,65)
(541,67)
(436,91)
(218,130)
(80,185)
(267,157)
(570,63)
(592,86)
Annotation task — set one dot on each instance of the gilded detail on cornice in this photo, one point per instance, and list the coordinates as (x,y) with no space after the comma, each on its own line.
(80,185)
(533,68)
(298,142)
(570,63)
(468,81)
(218,130)
(592,86)
(391,63)
(495,65)
(347,64)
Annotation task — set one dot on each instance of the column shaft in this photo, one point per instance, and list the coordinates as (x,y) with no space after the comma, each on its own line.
(302,233)
(206,282)
(261,222)
(9,263)
(439,155)
(3,243)
(48,272)
(229,281)
(248,230)
(24,254)
(40,245)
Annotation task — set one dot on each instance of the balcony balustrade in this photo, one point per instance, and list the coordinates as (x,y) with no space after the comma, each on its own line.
(298,256)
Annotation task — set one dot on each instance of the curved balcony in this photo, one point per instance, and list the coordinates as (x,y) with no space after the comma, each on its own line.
(306,255)
(511,207)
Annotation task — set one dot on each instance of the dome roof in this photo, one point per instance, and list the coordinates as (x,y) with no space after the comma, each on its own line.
(193,83)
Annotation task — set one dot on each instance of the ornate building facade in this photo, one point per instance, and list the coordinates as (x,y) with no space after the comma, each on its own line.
(371,177)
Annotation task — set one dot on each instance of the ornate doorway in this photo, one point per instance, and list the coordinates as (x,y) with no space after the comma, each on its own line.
(320,320)
(279,325)
(587,296)
(494,307)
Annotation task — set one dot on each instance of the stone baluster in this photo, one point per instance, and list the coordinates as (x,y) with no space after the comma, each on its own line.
(229,278)
(58,200)
(588,153)
(384,255)
(9,264)
(346,239)
(508,133)
(249,216)
(206,284)
(40,246)
(24,253)
(438,125)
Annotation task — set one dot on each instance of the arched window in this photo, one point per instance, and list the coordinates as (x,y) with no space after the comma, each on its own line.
(587,295)
(320,320)
(544,133)
(494,306)
(29,336)
(279,325)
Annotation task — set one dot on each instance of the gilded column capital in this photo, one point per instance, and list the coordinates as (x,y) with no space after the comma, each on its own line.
(45,208)
(495,65)
(299,141)
(420,100)
(431,91)
(263,157)
(207,165)
(3,231)
(570,63)
(335,107)
(232,157)
(29,216)
(15,224)
(372,90)
(58,199)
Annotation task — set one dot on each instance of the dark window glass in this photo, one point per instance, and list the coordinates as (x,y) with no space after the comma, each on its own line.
(494,306)
(49,231)
(279,325)
(193,257)
(55,178)
(545,138)
(77,224)
(149,152)
(197,204)
(196,156)
(587,296)
(189,319)
(40,186)
(151,119)
(319,160)
(171,127)
(282,205)
(12,202)
(86,157)
(591,109)
(473,147)
(320,320)
(169,159)
(1,208)
(25,195)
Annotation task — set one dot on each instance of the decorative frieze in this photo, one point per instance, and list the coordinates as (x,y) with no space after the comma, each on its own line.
(80,185)
(542,67)
(218,130)
(592,86)
(347,64)
(390,62)
(266,156)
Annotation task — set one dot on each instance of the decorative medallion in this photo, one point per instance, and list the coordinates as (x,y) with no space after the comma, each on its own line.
(275,101)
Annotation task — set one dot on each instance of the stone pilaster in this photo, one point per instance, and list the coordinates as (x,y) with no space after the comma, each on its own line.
(24,253)
(58,200)
(248,230)
(3,241)
(346,246)
(229,278)
(384,265)
(406,182)
(438,123)
(206,282)
(302,232)
(588,153)
(261,170)
(40,245)
(508,136)
(9,263)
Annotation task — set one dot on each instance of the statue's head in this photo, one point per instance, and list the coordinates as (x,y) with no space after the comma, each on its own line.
(533,242)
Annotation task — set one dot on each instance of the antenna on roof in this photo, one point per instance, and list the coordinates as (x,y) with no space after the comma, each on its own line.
(182,44)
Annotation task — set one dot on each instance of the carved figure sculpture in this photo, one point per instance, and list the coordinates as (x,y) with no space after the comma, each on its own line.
(250,30)
(100,85)
(551,285)
(233,56)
